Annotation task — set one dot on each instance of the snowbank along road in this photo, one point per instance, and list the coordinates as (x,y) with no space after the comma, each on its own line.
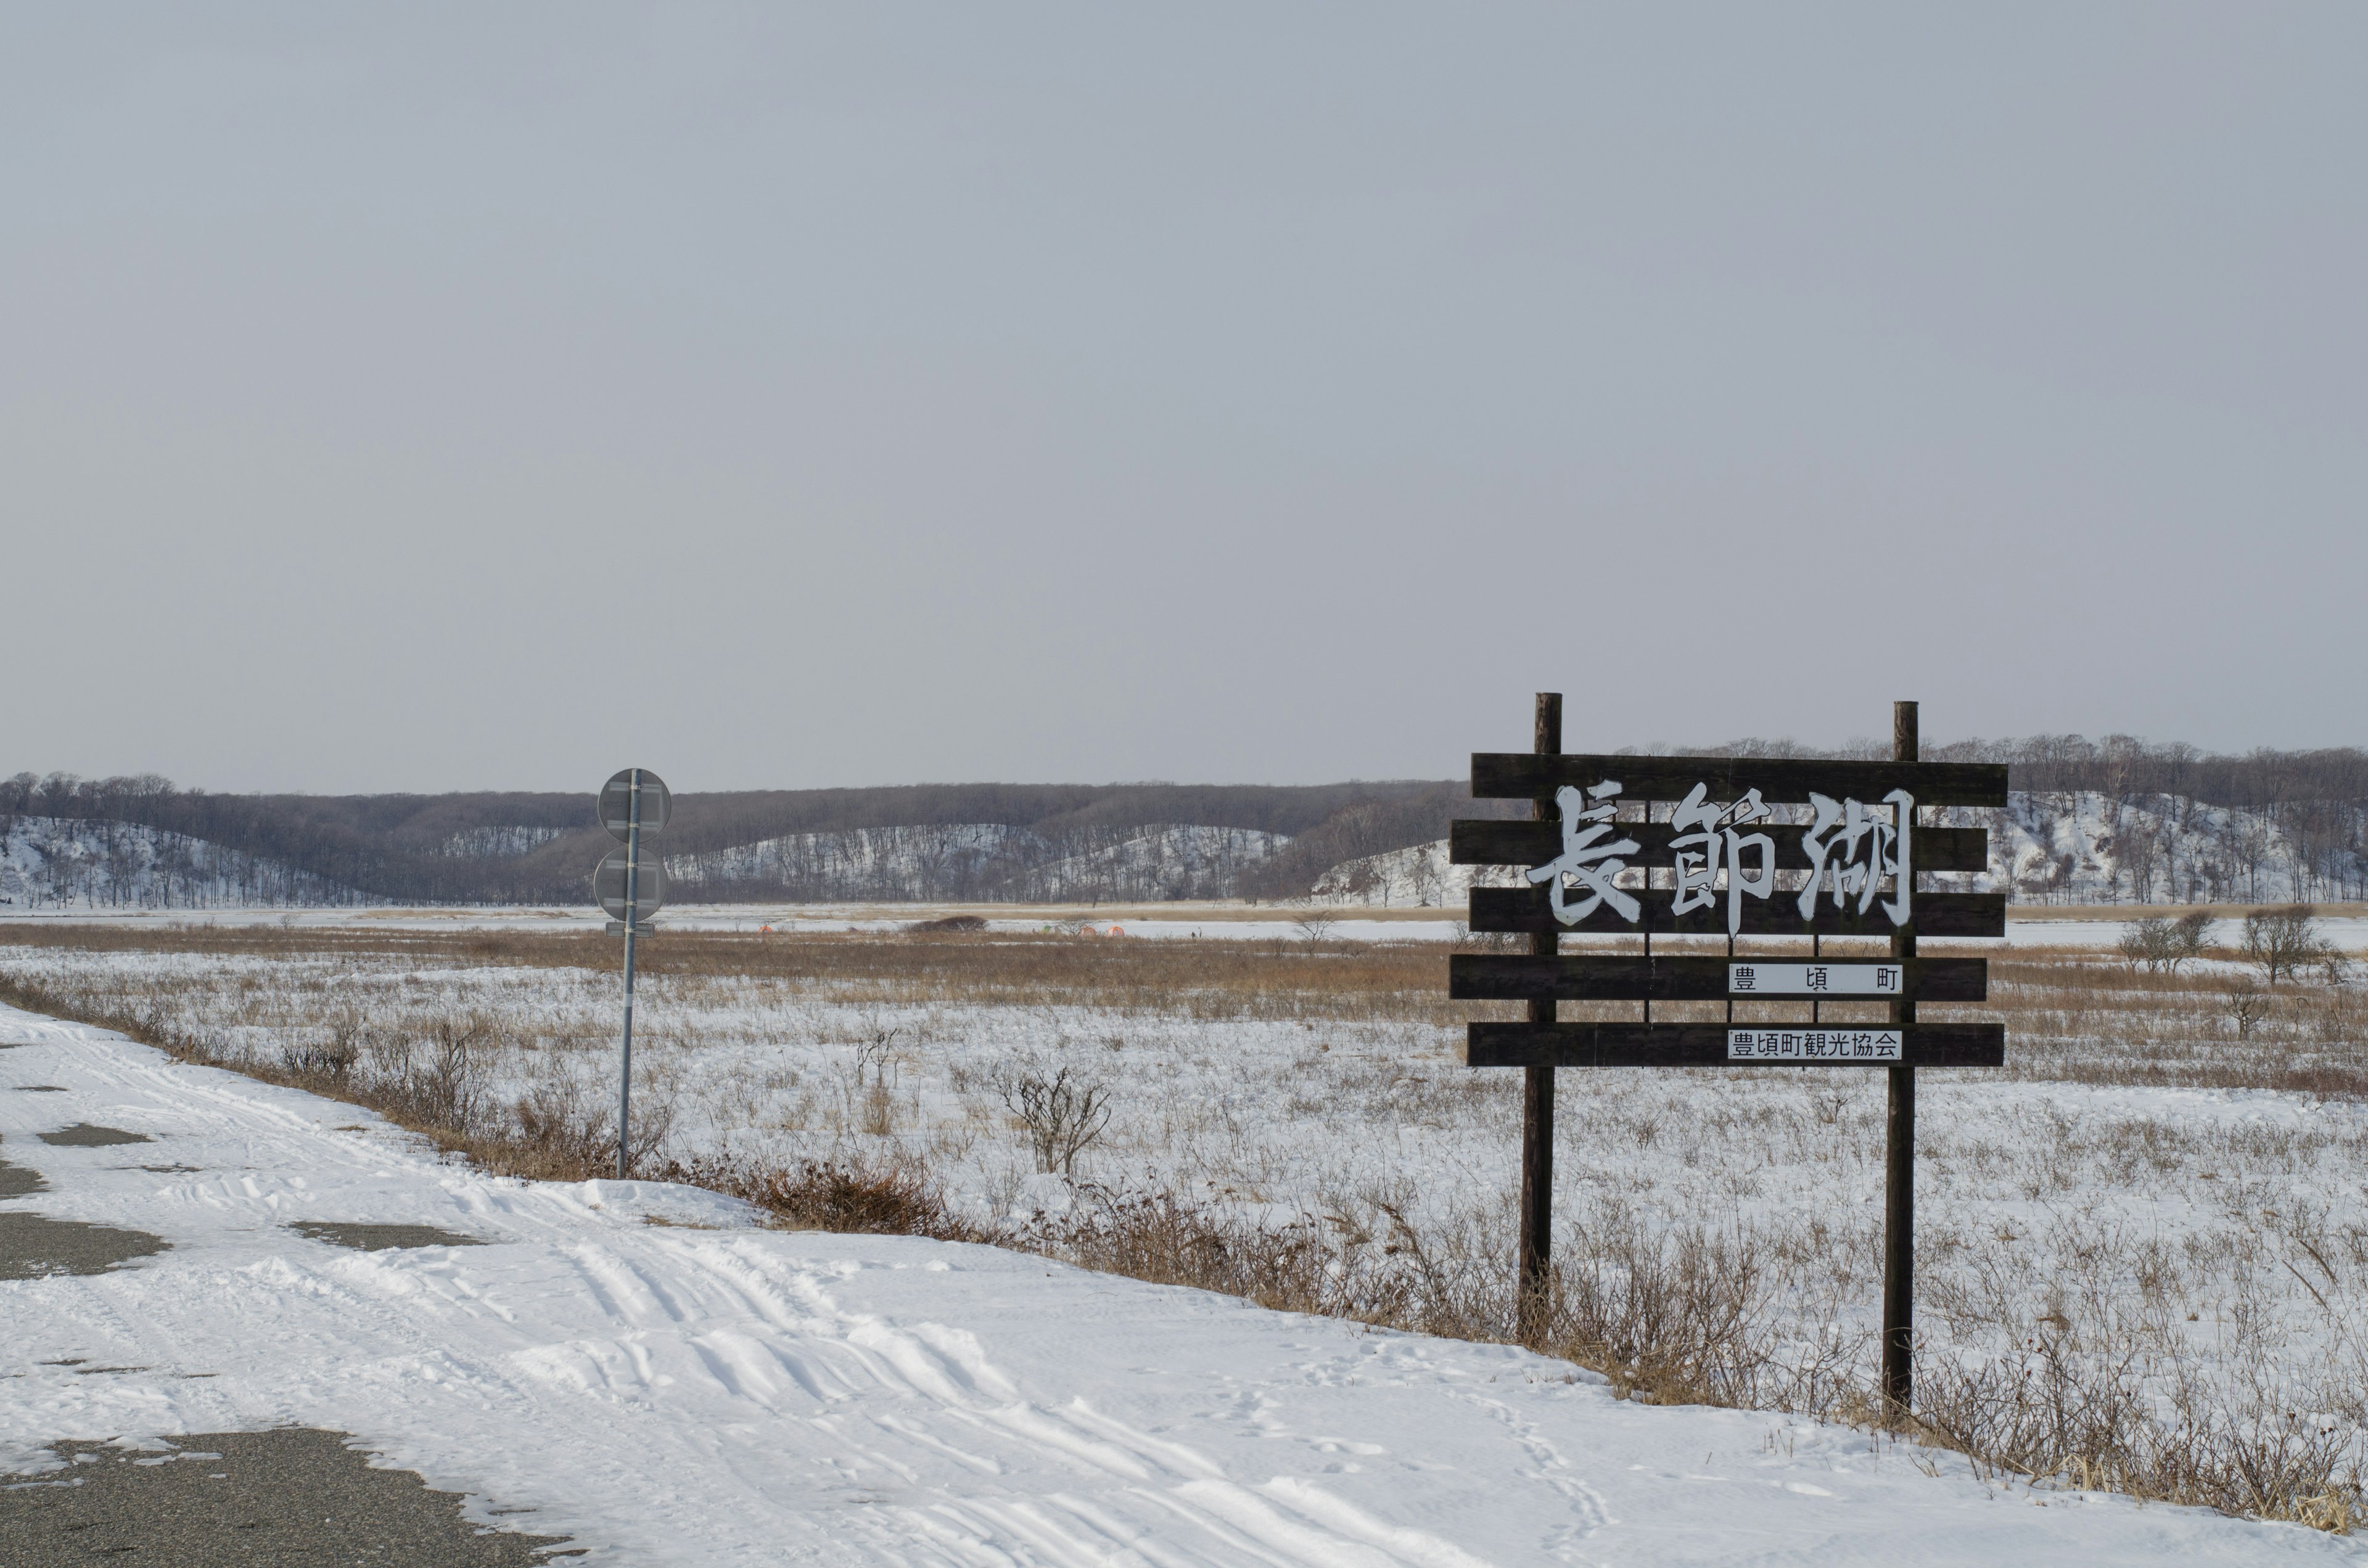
(646,1371)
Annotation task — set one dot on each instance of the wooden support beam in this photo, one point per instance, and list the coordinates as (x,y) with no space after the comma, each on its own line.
(1516,776)
(1481,842)
(1935,914)
(1705,1045)
(1511,977)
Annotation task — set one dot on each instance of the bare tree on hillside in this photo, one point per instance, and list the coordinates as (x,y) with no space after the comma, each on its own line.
(2247,837)
(2136,852)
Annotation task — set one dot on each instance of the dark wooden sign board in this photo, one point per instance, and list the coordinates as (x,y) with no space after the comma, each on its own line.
(1724,860)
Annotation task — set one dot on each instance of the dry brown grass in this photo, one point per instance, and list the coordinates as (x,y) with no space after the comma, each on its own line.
(1209,980)
(895,1199)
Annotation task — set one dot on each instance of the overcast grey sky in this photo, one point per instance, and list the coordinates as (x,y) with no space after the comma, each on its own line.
(488,397)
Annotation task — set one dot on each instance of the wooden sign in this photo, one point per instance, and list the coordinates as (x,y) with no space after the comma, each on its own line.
(1729,848)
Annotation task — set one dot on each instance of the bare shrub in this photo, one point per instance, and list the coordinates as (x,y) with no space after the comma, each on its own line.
(1676,1316)
(563,1131)
(949,924)
(897,1197)
(1314,923)
(653,1127)
(2147,942)
(2160,943)
(1467,940)
(2053,1412)
(2191,932)
(1063,1119)
(1345,1270)
(2246,1003)
(2283,941)
(441,1080)
(332,1053)
(875,1044)
(878,1116)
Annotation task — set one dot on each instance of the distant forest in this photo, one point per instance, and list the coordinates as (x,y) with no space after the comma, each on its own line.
(520,847)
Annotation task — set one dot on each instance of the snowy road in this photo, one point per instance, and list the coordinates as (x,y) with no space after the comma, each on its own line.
(651,1374)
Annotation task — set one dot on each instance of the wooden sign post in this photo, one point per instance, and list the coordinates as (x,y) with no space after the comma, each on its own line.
(1538,1091)
(1674,846)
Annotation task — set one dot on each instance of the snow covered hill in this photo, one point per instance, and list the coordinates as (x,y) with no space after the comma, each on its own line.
(645,1370)
(2086,847)
(890,863)
(1164,863)
(2045,848)
(51,863)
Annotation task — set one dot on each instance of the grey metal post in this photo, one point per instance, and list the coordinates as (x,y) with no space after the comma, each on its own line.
(632,915)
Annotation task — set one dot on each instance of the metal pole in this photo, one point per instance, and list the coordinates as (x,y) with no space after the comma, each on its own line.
(632,917)
(1899,1154)
(1534,1289)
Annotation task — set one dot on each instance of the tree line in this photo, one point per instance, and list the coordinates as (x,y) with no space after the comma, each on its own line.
(538,847)
(531,847)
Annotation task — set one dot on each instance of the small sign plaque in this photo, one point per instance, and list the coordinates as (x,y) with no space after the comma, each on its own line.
(1816,980)
(649,885)
(1812,1045)
(617,803)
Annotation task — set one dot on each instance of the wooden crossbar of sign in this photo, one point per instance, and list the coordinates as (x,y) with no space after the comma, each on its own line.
(1717,1045)
(1486,843)
(1528,776)
(1506,977)
(1937,915)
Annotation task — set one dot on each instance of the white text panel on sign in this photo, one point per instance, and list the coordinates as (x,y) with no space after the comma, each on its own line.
(1812,1045)
(1815,978)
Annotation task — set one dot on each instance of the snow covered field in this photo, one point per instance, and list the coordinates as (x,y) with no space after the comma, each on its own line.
(2145,1219)
(643,1369)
